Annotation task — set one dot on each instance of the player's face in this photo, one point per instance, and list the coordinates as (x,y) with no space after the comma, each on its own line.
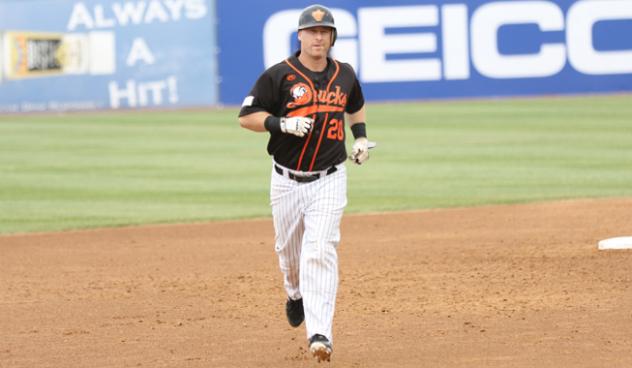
(315,41)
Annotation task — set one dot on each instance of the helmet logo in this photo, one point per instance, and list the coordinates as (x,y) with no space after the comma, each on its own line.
(318,15)
(301,93)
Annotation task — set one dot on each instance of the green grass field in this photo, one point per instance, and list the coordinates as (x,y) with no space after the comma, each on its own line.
(109,169)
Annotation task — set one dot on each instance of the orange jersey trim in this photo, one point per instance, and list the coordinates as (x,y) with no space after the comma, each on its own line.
(309,110)
(322,132)
(315,97)
(311,85)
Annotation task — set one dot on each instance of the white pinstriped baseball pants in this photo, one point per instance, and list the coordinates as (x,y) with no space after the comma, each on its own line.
(307,226)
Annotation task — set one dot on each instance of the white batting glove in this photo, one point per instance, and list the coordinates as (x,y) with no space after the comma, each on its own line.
(360,150)
(299,126)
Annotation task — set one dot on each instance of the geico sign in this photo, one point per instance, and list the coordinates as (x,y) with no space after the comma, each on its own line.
(367,39)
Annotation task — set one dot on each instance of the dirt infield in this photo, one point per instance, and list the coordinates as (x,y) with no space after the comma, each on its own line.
(502,286)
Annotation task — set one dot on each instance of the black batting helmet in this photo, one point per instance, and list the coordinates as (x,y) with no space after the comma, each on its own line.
(318,16)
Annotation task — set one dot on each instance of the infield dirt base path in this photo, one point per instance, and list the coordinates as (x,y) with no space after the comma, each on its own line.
(502,286)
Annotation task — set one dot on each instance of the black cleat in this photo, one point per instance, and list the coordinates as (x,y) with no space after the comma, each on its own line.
(294,312)
(320,348)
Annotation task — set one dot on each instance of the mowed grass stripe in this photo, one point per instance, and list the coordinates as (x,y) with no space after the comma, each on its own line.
(123,168)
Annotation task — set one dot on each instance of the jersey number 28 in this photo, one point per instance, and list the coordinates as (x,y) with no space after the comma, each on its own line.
(336,130)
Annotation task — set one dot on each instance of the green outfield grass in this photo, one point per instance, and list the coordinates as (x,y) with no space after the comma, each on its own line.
(110,169)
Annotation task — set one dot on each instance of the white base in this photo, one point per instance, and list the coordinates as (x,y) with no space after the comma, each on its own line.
(622,242)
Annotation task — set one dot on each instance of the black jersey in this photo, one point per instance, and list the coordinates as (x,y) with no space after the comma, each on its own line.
(290,89)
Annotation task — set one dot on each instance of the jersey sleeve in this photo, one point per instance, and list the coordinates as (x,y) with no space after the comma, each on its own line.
(356,98)
(262,97)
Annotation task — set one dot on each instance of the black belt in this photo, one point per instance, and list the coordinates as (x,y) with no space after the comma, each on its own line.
(304,178)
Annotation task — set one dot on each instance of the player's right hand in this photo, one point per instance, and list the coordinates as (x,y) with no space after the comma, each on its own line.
(299,126)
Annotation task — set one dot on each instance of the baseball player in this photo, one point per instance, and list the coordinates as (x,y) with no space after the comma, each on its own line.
(301,102)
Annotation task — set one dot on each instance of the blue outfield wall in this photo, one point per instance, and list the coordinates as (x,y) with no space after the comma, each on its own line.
(114,54)
(105,54)
(405,49)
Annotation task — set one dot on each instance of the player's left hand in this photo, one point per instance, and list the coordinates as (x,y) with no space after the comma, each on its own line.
(360,150)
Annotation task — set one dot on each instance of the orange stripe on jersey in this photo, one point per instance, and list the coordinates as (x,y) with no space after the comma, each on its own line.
(309,110)
(315,94)
(335,75)
(320,139)
(287,61)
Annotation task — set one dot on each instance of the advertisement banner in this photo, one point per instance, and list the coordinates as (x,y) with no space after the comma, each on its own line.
(406,50)
(74,55)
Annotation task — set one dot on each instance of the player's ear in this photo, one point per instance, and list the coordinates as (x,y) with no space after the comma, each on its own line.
(298,35)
